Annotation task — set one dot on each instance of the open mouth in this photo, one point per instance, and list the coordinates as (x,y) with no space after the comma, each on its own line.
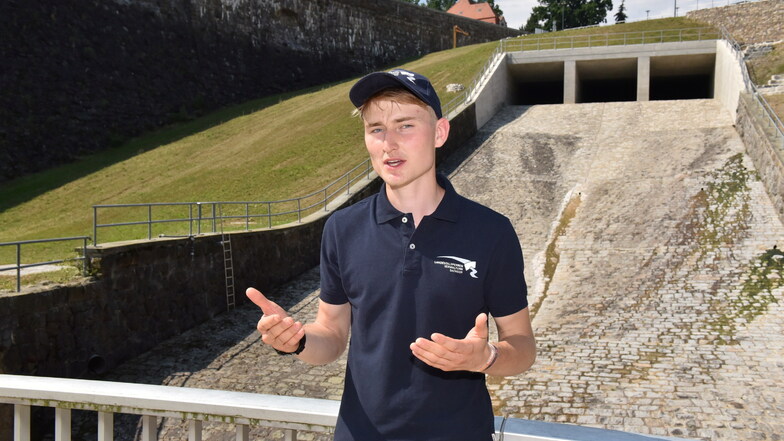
(393,162)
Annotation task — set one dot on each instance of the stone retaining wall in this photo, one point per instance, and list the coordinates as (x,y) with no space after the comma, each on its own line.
(768,158)
(89,74)
(748,23)
(149,291)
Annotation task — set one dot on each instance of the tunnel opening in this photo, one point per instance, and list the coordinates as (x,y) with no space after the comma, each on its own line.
(599,81)
(686,87)
(603,90)
(594,80)
(537,83)
(682,77)
(540,92)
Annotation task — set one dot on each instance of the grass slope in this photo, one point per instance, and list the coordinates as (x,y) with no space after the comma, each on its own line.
(274,148)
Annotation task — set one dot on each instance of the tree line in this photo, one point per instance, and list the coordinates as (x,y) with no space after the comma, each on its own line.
(550,15)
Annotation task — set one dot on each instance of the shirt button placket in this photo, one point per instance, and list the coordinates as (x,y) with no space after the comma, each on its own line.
(411,257)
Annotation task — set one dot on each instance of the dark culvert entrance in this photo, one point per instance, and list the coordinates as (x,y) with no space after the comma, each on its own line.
(537,83)
(600,81)
(674,77)
(682,77)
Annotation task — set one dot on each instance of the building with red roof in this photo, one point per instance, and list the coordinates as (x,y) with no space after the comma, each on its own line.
(477,11)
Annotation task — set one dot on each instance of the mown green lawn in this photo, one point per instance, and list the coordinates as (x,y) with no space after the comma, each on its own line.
(278,147)
(274,148)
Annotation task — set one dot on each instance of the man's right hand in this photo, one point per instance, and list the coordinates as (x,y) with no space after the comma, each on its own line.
(276,327)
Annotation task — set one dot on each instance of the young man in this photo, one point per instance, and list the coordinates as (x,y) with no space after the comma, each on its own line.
(413,272)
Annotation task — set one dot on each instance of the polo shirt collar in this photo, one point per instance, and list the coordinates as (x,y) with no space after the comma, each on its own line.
(447,209)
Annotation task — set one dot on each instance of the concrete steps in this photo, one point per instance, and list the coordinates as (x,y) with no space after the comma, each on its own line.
(774,86)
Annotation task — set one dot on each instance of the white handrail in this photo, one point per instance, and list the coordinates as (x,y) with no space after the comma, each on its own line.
(242,409)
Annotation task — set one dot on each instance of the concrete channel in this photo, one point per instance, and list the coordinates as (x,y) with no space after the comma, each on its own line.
(653,259)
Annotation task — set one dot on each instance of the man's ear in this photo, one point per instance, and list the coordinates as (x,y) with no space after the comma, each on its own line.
(442,131)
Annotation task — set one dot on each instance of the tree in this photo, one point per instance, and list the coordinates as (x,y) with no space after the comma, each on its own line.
(441,5)
(620,16)
(416,2)
(564,14)
(496,8)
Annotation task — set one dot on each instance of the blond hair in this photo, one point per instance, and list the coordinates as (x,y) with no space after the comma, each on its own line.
(397,95)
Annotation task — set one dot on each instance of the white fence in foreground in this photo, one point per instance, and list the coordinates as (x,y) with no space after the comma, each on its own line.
(239,409)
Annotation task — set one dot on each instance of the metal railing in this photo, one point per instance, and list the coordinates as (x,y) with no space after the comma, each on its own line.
(546,42)
(767,116)
(453,106)
(19,266)
(239,409)
(206,217)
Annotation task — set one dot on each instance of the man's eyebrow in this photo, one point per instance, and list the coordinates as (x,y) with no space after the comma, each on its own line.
(396,120)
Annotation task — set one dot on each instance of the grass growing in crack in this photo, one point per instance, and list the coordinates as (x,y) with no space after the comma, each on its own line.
(552,254)
(756,294)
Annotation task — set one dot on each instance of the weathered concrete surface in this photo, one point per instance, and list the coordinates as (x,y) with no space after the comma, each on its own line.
(657,317)
(662,313)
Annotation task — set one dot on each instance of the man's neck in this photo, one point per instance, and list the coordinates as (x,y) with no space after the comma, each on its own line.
(420,199)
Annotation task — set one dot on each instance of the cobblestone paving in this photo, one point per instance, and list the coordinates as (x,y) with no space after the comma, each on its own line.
(655,282)
(659,311)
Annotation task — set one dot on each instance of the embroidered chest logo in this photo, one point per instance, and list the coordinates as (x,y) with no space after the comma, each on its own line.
(459,265)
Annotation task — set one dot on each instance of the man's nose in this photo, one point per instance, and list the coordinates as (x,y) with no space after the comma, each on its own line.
(390,141)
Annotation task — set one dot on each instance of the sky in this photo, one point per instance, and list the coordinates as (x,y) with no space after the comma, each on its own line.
(517,12)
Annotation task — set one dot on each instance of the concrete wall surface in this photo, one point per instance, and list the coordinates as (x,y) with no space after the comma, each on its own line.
(728,76)
(494,93)
(610,52)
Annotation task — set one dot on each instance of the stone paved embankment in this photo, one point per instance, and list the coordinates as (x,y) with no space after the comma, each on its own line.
(653,256)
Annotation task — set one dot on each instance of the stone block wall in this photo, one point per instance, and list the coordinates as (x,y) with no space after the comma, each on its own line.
(768,158)
(88,74)
(146,292)
(748,23)
(149,291)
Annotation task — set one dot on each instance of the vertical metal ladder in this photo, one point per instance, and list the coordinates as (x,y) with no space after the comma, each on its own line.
(228,262)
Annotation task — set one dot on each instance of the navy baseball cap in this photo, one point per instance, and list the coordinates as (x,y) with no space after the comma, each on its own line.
(415,83)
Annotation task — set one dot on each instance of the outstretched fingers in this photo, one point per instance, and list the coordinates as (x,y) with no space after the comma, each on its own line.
(267,306)
(277,329)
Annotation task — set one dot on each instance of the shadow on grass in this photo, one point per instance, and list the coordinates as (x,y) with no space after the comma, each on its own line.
(23,189)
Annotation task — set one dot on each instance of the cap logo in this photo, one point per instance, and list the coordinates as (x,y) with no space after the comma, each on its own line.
(409,76)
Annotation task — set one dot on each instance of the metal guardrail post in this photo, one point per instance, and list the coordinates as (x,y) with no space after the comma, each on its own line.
(95,225)
(325,199)
(198,225)
(269,213)
(299,210)
(247,216)
(190,219)
(213,217)
(149,221)
(85,261)
(18,267)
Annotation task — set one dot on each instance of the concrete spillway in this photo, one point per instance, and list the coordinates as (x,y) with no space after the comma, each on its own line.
(649,248)
(653,257)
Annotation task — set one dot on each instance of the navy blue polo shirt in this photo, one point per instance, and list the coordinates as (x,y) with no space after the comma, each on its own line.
(403,283)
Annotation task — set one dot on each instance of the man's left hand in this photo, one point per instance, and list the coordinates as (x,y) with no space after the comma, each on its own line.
(448,354)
